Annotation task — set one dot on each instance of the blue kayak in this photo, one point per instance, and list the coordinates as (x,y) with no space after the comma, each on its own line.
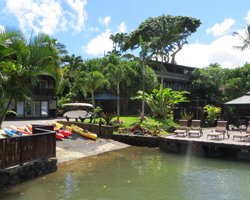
(10,132)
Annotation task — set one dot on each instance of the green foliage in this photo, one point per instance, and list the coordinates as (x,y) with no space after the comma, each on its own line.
(107,117)
(213,113)
(187,116)
(162,101)
(22,62)
(220,85)
(163,35)
(90,82)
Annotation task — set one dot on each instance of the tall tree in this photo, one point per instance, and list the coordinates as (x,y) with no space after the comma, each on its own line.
(21,64)
(165,35)
(118,71)
(90,83)
(245,37)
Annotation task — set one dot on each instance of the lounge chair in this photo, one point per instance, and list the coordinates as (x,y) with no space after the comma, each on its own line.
(245,135)
(221,129)
(182,130)
(196,129)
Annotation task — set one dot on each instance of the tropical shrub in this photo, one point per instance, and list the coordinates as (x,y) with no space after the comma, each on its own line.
(213,113)
(162,101)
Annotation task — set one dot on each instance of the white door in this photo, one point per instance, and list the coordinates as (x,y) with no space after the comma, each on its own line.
(20,109)
(45,109)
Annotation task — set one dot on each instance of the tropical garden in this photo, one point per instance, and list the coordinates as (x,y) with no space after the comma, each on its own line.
(125,72)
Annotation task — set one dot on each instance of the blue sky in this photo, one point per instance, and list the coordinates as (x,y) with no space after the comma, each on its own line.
(85,26)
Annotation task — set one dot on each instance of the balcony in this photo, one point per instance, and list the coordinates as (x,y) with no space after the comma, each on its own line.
(173,76)
(43,91)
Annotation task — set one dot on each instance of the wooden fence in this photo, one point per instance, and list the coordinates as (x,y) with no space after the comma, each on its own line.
(19,150)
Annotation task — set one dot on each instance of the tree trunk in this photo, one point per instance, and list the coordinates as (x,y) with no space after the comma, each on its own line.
(143,92)
(118,103)
(2,117)
(93,103)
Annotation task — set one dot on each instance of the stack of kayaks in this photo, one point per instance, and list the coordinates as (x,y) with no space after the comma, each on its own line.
(10,132)
(21,130)
(83,132)
(61,132)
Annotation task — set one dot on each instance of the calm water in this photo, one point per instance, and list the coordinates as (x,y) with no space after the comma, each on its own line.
(139,174)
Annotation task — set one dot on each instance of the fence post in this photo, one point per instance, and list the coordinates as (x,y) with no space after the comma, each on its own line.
(21,150)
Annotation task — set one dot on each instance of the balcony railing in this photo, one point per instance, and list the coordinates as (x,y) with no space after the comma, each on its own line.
(43,92)
(169,75)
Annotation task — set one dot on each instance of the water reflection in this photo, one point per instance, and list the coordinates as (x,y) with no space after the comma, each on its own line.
(139,173)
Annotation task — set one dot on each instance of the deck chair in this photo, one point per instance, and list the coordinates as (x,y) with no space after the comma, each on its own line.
(221,129)
(245,135)
(182,129)
(195,129)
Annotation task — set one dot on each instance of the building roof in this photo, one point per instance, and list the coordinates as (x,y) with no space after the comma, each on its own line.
(245,99)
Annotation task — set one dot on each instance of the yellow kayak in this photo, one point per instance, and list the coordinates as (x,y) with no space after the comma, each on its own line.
(81,132)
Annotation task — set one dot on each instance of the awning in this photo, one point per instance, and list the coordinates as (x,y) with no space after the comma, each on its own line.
(105,96)
(243,100)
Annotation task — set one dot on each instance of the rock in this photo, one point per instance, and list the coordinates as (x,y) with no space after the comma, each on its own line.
(4,179)
(14,180)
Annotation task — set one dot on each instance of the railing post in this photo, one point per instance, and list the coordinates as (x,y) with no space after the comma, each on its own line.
(21,151)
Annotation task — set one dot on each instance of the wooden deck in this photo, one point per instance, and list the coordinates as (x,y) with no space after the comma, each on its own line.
(216,147)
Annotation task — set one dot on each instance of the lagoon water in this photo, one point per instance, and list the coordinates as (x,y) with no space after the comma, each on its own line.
(137,173)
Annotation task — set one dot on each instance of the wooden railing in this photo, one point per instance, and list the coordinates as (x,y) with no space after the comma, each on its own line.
(19,150)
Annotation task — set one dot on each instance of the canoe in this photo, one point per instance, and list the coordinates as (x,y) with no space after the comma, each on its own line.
(10,132)
(82,132)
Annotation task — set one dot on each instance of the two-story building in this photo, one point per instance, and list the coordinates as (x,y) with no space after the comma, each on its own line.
(179,77)
(42,103)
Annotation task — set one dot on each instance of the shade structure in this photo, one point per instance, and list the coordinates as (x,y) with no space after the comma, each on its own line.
(243,100)
(78,104)
(105,97)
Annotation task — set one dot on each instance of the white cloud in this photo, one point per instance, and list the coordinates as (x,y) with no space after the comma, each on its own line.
(78,7)
(47,16)
(248,17)
(99,45)
(105,21)
(220,51)
(123,27)
(221,29)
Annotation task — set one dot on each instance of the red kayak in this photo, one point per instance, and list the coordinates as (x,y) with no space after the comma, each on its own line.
(65,133)
(59,136)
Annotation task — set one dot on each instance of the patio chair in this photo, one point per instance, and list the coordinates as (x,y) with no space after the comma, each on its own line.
(182,129)
(245,135)
(221,129)
(195,129)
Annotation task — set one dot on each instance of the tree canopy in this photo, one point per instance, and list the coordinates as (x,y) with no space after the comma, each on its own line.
(165,35)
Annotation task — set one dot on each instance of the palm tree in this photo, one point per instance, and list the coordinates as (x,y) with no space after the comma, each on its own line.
(90,82)
(245,38)
(117,72)
(21,64)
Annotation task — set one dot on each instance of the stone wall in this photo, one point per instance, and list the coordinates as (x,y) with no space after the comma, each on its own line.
(14,175)
(146,141)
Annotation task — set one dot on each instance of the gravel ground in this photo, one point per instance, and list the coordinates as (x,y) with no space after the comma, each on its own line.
(75,146)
